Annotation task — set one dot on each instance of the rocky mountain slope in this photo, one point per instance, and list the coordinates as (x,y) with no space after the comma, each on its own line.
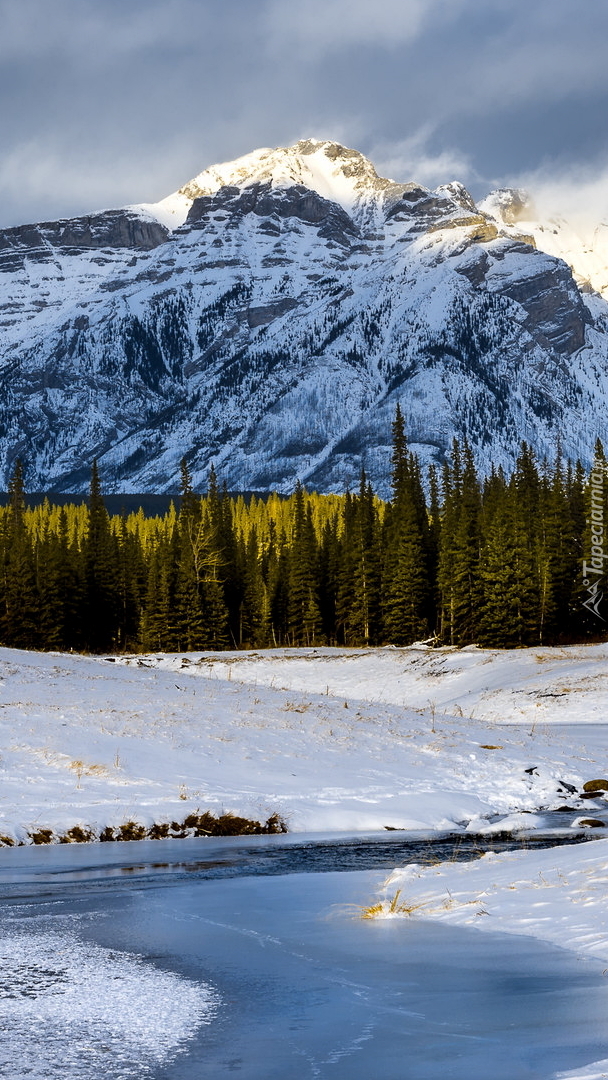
(269,316)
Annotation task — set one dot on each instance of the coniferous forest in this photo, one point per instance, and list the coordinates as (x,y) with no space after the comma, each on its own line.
(457,560)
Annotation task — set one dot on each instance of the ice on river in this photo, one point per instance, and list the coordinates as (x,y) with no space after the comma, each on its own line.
(303,987)
(76,1011)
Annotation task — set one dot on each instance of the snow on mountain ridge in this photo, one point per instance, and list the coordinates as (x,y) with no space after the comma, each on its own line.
(337,173)
(271,322)
(346,177)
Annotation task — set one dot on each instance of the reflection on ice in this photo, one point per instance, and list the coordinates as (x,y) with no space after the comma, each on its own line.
(77,1011)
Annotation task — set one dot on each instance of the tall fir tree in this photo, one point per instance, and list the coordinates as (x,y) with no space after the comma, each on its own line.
(20,616)
(101,601)
(406,588)
(188,594)
(510,607)
(304,612)
(466,554)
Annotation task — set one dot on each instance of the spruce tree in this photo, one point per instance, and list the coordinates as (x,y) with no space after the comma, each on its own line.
(304,612)
(362,569)
(406,587)
(188,599)
(20,599)
(101,602)
(510,607)
(465,556)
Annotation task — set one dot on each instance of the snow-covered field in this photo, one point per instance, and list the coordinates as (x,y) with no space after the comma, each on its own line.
(331,739)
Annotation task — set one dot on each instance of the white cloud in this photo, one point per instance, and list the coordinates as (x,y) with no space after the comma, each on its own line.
(112,102)
(91,33)
(579,194)
(334,25)
(411,159)
(44,180)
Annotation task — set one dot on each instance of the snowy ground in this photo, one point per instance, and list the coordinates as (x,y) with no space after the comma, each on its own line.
(330,739)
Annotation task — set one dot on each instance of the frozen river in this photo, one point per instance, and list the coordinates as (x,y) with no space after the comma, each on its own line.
(204,959)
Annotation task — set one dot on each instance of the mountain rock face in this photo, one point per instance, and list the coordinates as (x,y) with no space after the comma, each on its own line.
(269,316)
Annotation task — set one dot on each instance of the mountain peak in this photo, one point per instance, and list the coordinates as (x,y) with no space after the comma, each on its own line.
(335,172)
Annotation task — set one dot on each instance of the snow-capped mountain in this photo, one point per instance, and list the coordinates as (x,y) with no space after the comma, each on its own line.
(269,316)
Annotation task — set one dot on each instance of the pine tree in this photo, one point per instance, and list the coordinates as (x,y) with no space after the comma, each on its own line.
(406,593)
(406,587)
(131,585)
(465,556)
(20,600)
(254,625)
(361,574)
(188,600)
(101,592)
(451,492)
(279,575)
(329,562)
(159,629)
(304,613)
(509,613)
(52,629)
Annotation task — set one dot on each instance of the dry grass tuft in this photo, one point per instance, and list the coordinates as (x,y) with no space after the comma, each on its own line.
(395,906)
(41,836)
(77,835)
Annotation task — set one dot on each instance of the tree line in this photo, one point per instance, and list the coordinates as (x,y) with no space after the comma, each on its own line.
(459,559)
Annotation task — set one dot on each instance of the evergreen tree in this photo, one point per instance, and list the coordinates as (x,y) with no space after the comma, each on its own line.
(407,593)
(51,627)
(329,562)
(278,581)
(20,622)
(188,600)
(465,556)
(254,628)
(100,623)
(304,613)
(509,613)
(131,585)
(503,565)
(361,569)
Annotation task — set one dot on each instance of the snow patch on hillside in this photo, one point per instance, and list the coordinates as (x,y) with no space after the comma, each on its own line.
(171,211)
(333,171)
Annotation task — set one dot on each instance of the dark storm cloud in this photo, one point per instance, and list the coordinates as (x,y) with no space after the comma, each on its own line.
(109,102)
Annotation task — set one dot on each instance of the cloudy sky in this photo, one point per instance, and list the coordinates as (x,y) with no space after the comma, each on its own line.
(107,102)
